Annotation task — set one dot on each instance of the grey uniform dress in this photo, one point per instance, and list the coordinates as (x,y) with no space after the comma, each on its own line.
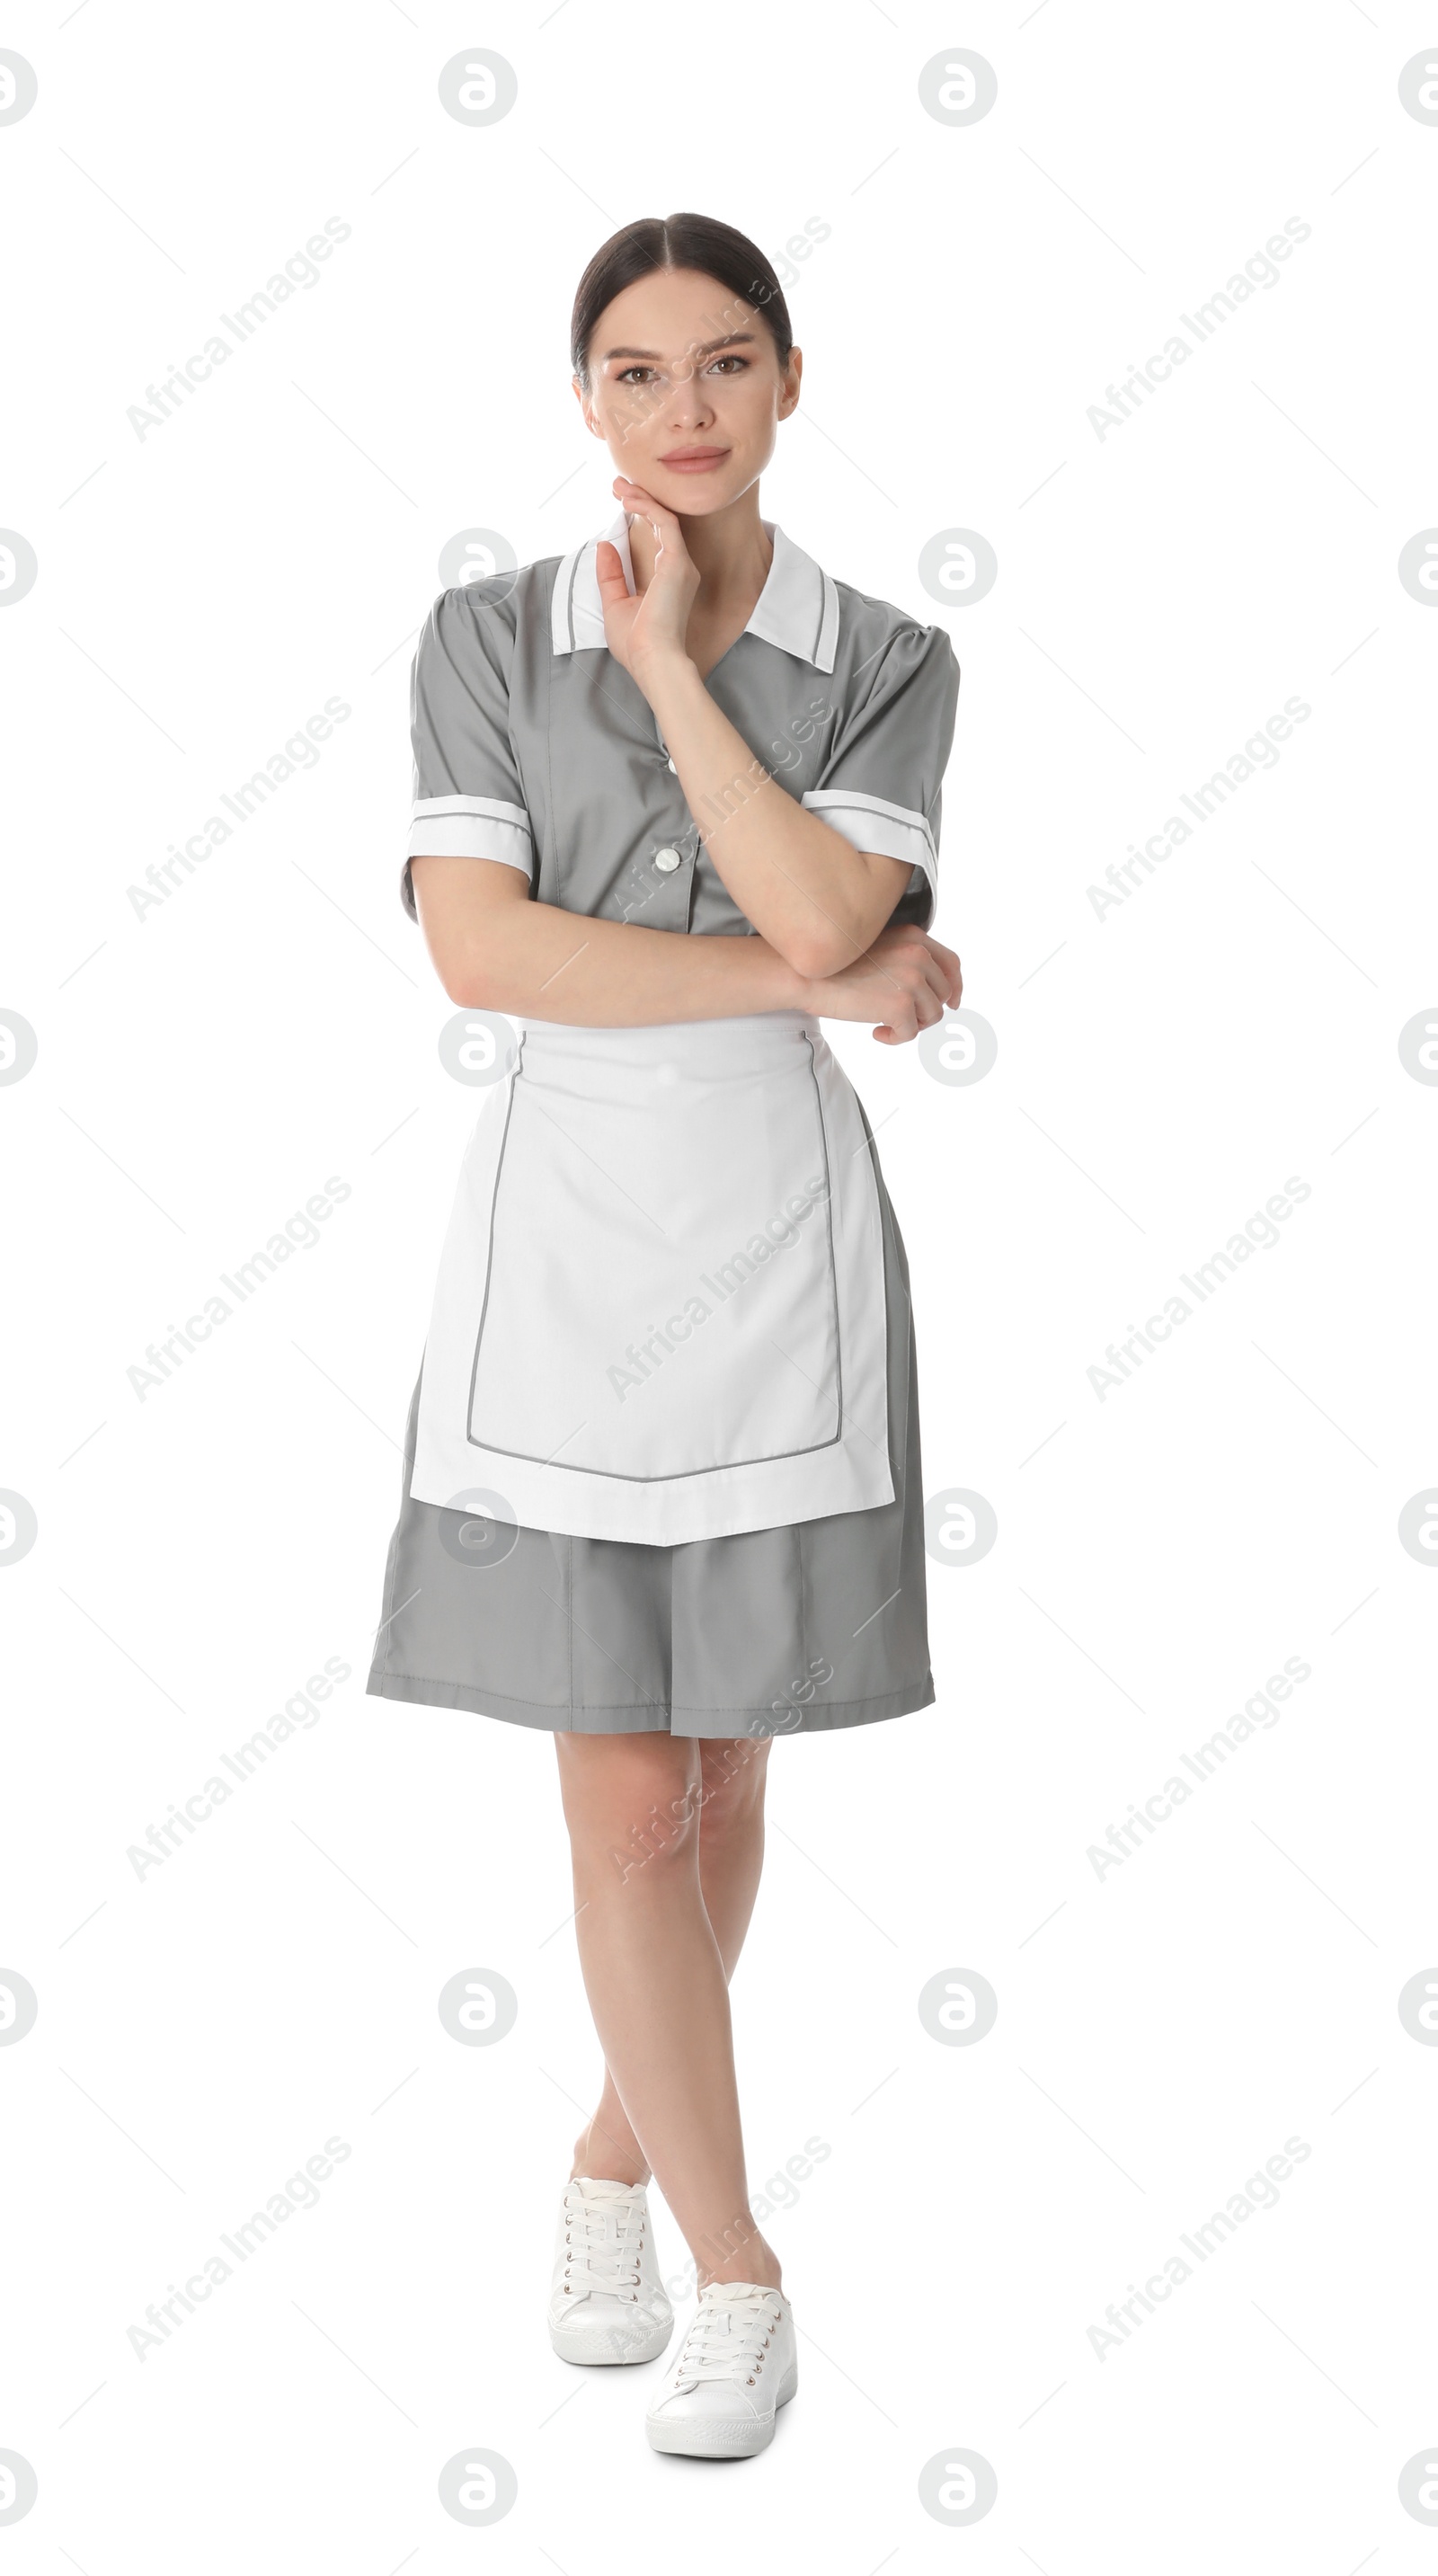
(662,1467)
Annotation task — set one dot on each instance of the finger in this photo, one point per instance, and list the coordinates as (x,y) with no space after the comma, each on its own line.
(906,964)
(609,573)
(952,971)
(936,974)
(674,566)
(936,978)
(664,523)
(635,496)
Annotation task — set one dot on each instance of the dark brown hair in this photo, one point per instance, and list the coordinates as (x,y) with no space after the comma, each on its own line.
(677,241)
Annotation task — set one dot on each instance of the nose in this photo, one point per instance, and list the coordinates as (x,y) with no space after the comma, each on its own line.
(690,406)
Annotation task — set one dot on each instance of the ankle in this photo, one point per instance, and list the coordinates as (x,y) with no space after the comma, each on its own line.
(756,2261)
(604,2164)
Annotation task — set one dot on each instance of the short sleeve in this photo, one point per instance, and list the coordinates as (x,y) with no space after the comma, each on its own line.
(468,796)
(880,785)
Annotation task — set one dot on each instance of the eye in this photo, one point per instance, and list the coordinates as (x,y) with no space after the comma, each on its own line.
(732,359)
(627,375)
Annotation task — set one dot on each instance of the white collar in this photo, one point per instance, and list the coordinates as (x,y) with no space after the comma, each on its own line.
(797,609)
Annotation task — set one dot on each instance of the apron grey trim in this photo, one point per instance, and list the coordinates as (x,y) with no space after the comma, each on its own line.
(489,1261)
(692,1640)
(680,1475)
(829,1239)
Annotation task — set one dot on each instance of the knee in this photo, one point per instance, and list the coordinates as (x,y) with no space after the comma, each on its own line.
(732,1791)
(632,1797)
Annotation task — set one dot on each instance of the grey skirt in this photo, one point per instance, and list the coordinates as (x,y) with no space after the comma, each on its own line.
(820,1623)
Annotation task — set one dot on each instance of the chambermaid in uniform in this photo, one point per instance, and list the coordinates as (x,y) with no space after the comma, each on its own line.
(662,1467)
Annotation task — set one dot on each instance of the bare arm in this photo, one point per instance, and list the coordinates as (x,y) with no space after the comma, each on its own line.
(817,905)
(494,949)
(806,888)
(819,901)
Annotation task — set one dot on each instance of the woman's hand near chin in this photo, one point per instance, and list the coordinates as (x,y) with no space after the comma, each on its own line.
(648,630)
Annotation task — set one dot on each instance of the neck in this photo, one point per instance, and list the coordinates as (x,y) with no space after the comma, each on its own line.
(730,548)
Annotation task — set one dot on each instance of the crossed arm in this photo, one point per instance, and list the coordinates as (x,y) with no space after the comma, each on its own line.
(495,950)
(820,902)
(818,905)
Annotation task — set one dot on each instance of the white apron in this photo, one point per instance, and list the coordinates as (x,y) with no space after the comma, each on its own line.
(660,1309)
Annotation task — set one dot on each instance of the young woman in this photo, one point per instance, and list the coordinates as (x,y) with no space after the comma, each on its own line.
(676,801)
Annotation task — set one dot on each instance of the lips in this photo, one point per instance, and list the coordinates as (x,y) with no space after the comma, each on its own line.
(694,460)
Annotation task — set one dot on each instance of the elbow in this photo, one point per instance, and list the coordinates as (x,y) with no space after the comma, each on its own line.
(482,965)
(821,951)
(468,986)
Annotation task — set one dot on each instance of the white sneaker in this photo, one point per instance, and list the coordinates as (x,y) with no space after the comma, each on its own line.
(737,2366)
(606,2302)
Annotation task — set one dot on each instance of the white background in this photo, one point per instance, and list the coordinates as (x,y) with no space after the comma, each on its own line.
(1161,1072)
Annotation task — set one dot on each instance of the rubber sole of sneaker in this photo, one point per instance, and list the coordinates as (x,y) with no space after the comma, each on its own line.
(592,2347)
(705,2438)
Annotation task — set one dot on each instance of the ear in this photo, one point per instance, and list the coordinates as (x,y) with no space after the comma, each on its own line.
(586,408)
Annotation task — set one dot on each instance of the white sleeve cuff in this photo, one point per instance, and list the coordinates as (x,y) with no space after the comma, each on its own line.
(872,823)
(470,827)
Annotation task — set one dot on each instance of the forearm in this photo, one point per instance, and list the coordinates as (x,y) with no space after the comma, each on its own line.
(806,889)
(536,961)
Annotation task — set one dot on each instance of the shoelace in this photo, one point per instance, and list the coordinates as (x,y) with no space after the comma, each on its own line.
(598,2261)
(727,2333)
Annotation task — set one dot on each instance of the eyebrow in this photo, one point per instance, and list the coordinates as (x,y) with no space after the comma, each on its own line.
(707,348)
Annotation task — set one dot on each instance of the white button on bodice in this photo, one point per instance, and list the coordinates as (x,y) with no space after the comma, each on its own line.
(667,861)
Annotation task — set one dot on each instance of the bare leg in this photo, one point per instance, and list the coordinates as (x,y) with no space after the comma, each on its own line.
(731,1858)
(656,1965)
